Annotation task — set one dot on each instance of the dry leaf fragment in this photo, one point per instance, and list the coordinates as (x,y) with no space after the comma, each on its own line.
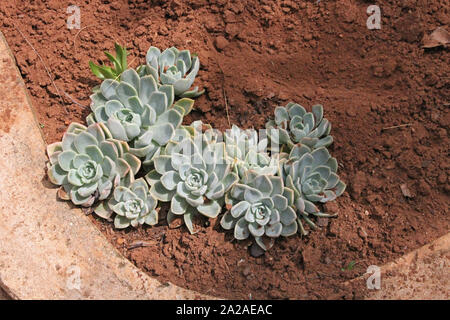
(406,192)
(439,37)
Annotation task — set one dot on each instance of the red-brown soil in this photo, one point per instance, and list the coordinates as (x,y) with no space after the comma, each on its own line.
(387,98)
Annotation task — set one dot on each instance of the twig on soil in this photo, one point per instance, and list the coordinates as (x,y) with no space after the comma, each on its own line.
(42,60)
(140,244)
(73,100)
(226,107)
(399,126)
(75,38)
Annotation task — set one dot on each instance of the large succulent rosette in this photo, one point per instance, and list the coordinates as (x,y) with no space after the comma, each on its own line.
(136,110)
(88,163)
(261,207)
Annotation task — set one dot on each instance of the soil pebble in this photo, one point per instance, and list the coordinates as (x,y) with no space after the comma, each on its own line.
(256,251)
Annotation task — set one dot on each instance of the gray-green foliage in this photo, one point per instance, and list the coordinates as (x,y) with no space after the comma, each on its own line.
(293,125)
(88,163)
(136,110)
(132,205)
(194,176)
(312,176)
(173,67)
(135,118)
(262,207)
(246,152)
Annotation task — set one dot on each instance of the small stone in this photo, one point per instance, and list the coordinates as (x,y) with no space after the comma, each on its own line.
(220,43)
(246,271)
(120,241)
(256,251)
(405,191)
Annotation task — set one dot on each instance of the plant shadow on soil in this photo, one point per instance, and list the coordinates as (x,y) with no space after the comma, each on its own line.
(257,55)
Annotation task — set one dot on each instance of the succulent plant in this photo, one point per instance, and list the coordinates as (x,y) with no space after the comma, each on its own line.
(194,176)
(133,205)
(293,125)
(312,176)
(135,110)
(259,162)
(261,207)
(88,163)
(247,152)
(173,67)
(119,64)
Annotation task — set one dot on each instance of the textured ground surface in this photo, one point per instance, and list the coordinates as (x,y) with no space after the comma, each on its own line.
(256,55)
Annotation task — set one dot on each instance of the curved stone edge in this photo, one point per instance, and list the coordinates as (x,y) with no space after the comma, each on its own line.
(419,275)
(3,295)
(48,249)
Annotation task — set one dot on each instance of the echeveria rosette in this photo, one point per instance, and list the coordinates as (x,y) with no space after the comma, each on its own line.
(246,152)
(132,205)
(313,179)
(137,111)
(293,125)
(88,164)
(261,207)
(173,67)
(239,142)
(260,163)
(194,177)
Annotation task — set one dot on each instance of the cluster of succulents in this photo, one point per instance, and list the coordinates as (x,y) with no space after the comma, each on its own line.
(135,154)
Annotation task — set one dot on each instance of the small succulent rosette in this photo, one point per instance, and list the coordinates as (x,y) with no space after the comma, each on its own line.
(194,176)
(293,125)
(312,176)
(261,207)
(135,110)
(247,152)
(173,67)
(132,205)
(88,163)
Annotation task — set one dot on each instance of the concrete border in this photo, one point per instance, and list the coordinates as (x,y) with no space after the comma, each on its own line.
(421,274)
(48,249)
